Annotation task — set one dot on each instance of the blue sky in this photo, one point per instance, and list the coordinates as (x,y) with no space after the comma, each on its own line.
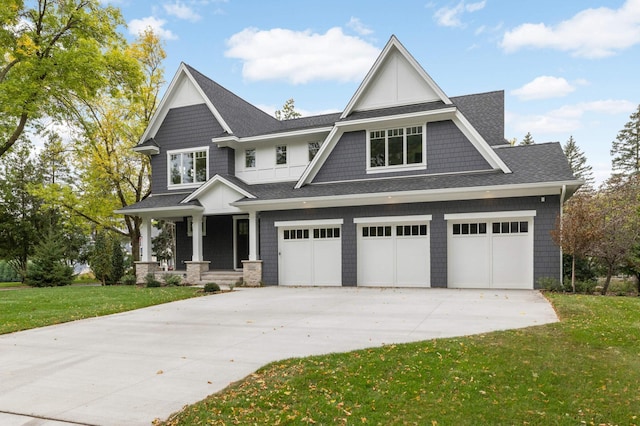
(567,67)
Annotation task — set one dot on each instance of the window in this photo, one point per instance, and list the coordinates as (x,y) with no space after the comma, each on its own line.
(250,158)
(396,147)
(188,167)
(376,231)
(510,227)
(324,233)
(411,230)
(190,227)
(296,234)
(469,228)
(281,155)
(314,147)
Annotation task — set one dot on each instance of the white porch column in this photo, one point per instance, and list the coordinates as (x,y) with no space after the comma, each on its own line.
(253,236)
(145,234)
(196,230)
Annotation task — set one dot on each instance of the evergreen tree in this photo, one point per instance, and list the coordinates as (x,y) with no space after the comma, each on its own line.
(578,162)
(100,257)
(49,268)
(527,140)
(117,262)
(625,150)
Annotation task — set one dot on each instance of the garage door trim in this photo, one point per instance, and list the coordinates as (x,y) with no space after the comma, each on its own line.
(490,215)
(393,219)
(314,222)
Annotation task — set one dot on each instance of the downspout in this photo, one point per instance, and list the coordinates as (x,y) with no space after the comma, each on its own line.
(563,194)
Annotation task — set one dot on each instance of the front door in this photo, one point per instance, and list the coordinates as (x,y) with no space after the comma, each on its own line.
(242,241)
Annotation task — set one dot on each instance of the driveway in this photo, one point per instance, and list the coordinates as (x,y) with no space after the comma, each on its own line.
(133,367)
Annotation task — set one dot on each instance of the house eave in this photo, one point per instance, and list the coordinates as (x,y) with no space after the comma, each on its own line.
(401,197)
(146,150)
(234,141)
(161,211)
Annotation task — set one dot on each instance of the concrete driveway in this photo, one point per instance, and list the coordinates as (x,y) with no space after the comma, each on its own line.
(130,368)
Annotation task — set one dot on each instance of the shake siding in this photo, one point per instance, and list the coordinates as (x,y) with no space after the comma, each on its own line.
(546,253)
(448,150)
(187,127)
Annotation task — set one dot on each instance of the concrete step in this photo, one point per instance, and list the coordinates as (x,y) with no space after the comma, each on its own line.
(221,277)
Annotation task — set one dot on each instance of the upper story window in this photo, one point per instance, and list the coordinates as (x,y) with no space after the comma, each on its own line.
(250,158)
(188,167)
(396,148)
(314,147)
(281,155)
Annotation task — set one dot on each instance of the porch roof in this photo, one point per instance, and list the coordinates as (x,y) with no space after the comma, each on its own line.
(162,205)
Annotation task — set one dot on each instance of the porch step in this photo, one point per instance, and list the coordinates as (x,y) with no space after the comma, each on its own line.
(221,277)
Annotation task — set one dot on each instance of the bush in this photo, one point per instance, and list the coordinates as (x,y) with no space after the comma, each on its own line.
(172,279)
(129,279)
(211,288)
(49,268)
(151,281)
(586,287)
(7,273)
(550,284)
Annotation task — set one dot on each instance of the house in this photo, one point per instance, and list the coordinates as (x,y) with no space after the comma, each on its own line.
(405,187)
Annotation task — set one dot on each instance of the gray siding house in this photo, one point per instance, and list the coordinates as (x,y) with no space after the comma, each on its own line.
(405,187)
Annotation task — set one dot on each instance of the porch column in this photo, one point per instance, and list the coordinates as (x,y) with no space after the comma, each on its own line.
(145,234)
(196,232)
(252,268)
(253,236)
(145,266)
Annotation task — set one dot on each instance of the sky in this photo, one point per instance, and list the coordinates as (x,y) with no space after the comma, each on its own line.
(568,68)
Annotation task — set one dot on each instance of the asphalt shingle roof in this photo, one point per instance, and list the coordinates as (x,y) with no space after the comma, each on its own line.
(161,201)
(529,164)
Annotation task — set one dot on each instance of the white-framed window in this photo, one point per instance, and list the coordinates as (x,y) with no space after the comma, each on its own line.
(281,155)
(512,227)
(250,158)
(471,228)
(188,167)
(314,147)
(190,227)
(401,147)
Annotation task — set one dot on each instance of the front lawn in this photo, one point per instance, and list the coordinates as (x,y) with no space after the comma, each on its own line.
(36,307)
(583,370)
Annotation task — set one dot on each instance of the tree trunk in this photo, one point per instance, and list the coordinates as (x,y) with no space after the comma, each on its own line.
(608,280)
(573,273)
(16,134)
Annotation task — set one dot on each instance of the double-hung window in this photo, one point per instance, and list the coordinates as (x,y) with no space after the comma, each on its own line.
(250,158)
(396,148)
(188,167)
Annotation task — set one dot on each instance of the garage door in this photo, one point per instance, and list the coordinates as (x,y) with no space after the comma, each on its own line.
(310,254)
(490,252)
(394,252)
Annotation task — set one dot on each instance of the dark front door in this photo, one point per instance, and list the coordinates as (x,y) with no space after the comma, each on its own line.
(242,241)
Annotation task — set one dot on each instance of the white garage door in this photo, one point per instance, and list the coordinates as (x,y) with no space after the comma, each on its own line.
(310,255)
(394,252)
(490,252)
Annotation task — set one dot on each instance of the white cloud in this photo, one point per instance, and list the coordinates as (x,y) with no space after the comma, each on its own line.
(301,56)
(592,33)
(181,11)
(138,26)
(568,118)
(544,87)
(356,25)
(451,16)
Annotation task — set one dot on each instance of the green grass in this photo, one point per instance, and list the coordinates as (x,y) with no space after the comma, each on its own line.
(583,370)
(36,307)
(11,284)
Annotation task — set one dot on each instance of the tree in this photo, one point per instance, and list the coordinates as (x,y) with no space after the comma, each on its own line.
(21,218)
(110,174)
(618,224)
(288,111)
(52,49)
(49,267)
(575,230)
(527,140)
(163,245)
(578,163)
(106,258)
(625,150)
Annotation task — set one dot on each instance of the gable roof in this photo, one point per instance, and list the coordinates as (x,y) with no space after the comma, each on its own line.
(382,70)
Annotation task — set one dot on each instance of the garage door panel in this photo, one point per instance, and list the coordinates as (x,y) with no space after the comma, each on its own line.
(412,261)
(295,262)
(326,255)
(468,259)
(512,261)
(376,267)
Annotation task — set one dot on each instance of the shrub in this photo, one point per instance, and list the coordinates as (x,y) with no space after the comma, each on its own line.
(151,281)
(7,273)
(172,279)
(211,287)
(586,287)
(550,284)
(49,268)
(129,279)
